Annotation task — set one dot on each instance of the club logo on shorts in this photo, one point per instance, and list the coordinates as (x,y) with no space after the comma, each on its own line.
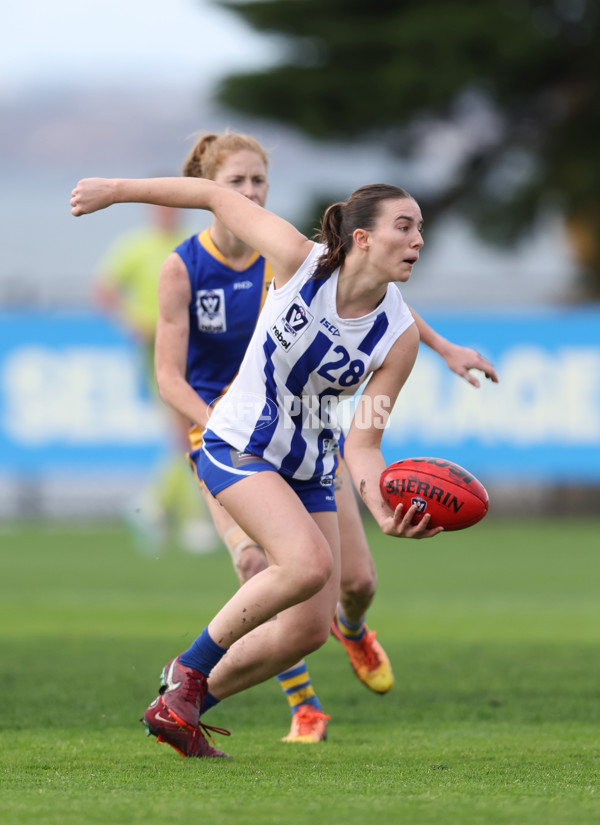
(210,310)
(326,481)
(292,324)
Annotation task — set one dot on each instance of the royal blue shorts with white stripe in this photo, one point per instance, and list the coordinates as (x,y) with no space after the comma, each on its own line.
(219,465)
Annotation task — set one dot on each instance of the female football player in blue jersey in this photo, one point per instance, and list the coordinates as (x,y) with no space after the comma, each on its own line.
(328,325)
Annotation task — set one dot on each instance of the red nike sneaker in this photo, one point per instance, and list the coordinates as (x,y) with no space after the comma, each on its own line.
(187,742)
(183,690)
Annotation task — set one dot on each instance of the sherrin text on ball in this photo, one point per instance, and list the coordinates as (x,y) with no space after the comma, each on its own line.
(451,495)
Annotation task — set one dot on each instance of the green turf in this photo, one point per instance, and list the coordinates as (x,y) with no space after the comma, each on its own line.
(494,633)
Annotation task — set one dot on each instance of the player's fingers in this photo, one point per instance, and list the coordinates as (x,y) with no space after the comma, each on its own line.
(472,379)
(432,532)
(421,530)
(487,368)
(398,514)
(76,207)
(404,522)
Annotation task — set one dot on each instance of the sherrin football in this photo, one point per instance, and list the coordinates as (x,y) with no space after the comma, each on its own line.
(453,497)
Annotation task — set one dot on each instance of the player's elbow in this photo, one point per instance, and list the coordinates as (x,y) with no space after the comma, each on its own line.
(164,386)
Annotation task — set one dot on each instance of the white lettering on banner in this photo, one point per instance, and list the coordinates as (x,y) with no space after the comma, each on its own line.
(79,395)
(90,396)
(544,397)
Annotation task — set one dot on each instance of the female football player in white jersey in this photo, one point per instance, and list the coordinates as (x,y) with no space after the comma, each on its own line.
(228,281)
(330,322)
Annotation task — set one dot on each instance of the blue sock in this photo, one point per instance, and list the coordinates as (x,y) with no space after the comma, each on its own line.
(204,654)
(209,702)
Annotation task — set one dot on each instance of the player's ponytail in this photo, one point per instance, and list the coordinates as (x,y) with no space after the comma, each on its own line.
(332,236)
(196,162)
(211,150)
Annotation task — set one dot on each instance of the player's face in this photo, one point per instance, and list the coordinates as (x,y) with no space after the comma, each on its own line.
(245,171)
(396,239)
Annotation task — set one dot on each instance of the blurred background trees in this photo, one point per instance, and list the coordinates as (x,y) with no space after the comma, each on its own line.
(501,95)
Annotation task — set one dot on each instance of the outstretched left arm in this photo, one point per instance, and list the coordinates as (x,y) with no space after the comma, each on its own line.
(458,358)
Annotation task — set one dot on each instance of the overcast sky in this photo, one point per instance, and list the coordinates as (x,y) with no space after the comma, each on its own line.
(84,41)
(186,44)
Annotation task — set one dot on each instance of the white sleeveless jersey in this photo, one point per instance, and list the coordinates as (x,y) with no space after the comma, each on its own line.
(301,359)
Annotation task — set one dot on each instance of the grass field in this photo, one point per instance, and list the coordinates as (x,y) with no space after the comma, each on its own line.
(494,634)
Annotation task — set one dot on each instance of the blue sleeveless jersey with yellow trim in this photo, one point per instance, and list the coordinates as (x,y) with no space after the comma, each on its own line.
(225,305)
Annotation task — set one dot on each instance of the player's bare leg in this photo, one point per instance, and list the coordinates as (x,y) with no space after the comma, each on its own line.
(358,586)
(309,722)
(297,630)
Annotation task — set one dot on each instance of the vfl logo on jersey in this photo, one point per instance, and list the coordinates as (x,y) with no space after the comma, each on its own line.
(292,324)
(210,310)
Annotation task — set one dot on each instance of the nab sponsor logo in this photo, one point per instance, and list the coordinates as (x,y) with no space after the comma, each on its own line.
(242,285)
(329,326)
(292,324)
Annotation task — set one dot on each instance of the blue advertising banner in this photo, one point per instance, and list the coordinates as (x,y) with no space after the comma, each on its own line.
(541,423)
(73,398)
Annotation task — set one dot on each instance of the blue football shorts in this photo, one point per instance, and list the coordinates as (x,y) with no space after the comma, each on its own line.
(219,465)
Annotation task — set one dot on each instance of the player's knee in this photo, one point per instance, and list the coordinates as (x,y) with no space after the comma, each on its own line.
(306,637)
(314,573)
(360,588)
(248,558)
(250,561)
(317,636)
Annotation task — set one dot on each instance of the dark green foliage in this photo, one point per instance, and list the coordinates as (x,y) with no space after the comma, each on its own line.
(518,80)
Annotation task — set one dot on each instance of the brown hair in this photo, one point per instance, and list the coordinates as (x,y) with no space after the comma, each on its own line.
(359,211)
(211,150)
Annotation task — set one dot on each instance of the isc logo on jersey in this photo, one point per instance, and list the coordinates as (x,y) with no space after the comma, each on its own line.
(210,310)
(292,324)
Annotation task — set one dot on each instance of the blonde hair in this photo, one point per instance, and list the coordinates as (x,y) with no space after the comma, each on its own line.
(211,151)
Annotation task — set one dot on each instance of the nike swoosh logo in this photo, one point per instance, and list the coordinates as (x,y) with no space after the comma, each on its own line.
(167,720)
(171,685)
